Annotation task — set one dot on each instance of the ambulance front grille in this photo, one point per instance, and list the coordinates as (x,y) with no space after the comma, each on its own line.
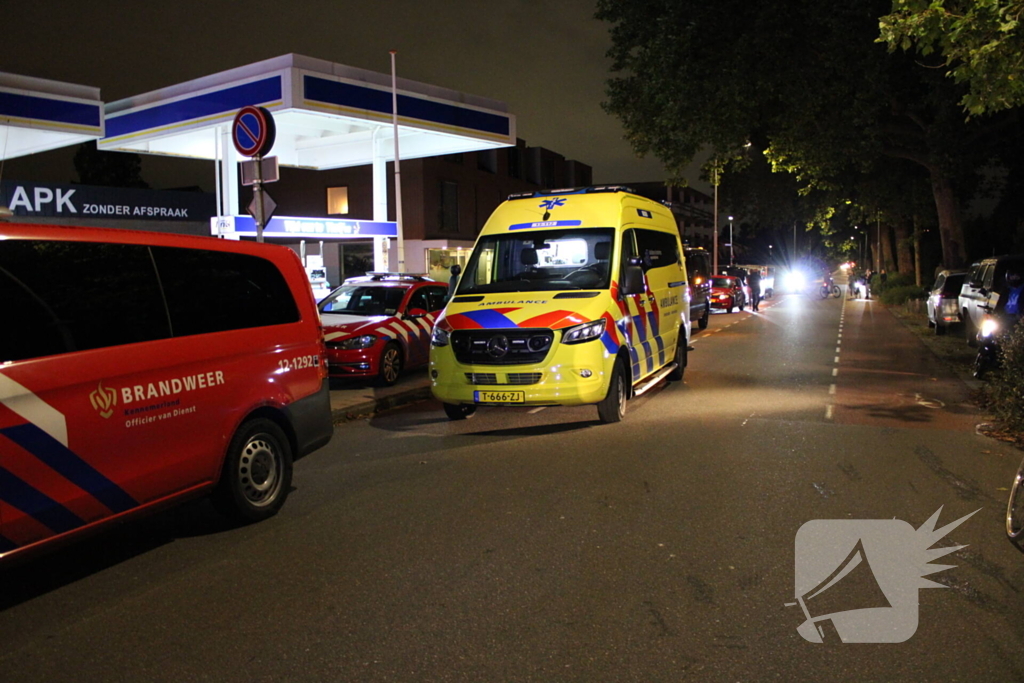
(524,377)
(502,347)
(513,378)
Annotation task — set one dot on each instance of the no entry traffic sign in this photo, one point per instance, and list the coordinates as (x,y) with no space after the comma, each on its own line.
(253,131)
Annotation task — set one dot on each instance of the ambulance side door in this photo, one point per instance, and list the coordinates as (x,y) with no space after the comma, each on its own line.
(633,309)
(663,277)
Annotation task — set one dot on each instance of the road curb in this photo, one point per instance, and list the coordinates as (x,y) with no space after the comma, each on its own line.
(377,405)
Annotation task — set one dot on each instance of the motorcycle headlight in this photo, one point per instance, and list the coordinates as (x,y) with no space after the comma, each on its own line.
(989,327)
(439,337)
(363,342)
(584,332)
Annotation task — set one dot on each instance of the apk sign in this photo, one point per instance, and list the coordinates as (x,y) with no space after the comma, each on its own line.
(89,201)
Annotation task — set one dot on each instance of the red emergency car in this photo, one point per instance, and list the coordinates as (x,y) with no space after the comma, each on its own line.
(140,368)
(728,293)
(377,325)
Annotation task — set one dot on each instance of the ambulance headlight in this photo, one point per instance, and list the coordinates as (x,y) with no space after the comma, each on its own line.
(584,332)
(363,342)
(989,327)
(439,337)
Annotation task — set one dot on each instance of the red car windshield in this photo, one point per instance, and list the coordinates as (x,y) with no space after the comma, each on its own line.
(726,282)
(363,300)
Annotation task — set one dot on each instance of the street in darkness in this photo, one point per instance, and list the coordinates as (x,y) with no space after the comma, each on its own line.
(538,544)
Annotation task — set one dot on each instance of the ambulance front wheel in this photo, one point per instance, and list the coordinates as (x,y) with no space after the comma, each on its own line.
(458,412)
(257,473)
(612,407)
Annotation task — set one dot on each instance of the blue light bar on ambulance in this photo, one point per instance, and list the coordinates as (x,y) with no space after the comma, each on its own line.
(572,190)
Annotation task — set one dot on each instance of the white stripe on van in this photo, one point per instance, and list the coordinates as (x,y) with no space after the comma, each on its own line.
(34,409)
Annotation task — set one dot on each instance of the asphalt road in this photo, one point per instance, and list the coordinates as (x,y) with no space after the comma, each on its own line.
(540,545)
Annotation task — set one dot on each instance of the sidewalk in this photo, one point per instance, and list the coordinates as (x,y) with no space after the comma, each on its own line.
(351,399)
(887,376)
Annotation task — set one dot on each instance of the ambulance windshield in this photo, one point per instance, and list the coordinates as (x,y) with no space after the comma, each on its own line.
(546,260)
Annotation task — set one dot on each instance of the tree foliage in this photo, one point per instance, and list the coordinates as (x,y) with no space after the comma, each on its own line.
(806,81)
(108,169)
(980,42)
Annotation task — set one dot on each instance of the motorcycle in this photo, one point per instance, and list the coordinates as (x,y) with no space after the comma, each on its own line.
(988,348)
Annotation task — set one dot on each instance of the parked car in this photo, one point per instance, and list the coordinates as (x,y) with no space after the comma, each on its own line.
(142,368)
(728,293)
(943,306)
(698,268)
(980,291)
(376,326)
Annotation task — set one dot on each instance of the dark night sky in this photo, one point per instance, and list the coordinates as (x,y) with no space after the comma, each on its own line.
(545,60)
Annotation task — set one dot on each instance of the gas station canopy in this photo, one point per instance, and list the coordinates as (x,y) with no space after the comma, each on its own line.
(37,115)
(327,115)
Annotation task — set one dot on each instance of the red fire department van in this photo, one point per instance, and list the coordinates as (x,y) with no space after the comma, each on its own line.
(138,369)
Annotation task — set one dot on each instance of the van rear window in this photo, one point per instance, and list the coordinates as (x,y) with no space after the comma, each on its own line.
(216,291)
(58,297)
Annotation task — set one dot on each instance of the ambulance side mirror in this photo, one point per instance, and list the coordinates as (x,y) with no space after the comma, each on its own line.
(632,280)
(453,281)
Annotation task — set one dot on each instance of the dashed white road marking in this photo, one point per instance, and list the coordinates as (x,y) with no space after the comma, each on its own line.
(835,372)
(837,359)
(831,389)
(828,412)
(536,410)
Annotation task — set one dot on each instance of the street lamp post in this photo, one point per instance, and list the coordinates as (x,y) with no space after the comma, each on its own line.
(714,237)
(731,261)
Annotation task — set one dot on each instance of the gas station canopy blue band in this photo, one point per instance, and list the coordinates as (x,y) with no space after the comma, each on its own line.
(37,115)
(326,114)
(306,228)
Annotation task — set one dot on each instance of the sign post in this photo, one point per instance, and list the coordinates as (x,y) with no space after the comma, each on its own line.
(253,133)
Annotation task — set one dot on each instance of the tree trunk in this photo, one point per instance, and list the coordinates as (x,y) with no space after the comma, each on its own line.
(951,228)
(888,263)
(904,260)
(917,252)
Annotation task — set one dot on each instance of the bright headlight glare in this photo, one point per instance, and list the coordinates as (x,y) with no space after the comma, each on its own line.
(363,342)
(584,332)
(439,337)
(989,327)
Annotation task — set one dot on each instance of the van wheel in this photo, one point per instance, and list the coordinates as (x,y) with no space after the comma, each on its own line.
(612,407)
(390,365)
(458,412)
(702,324)
(257,473)
(680,359)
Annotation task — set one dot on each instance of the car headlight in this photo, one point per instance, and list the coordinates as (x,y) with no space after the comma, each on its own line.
(989,327)
(363,342)
(584,332)
(439,337)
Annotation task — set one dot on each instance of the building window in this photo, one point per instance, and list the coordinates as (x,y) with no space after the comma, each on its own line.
(337,201)
(449,206)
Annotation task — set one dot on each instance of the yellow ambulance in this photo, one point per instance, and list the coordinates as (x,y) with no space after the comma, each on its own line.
(570,297)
